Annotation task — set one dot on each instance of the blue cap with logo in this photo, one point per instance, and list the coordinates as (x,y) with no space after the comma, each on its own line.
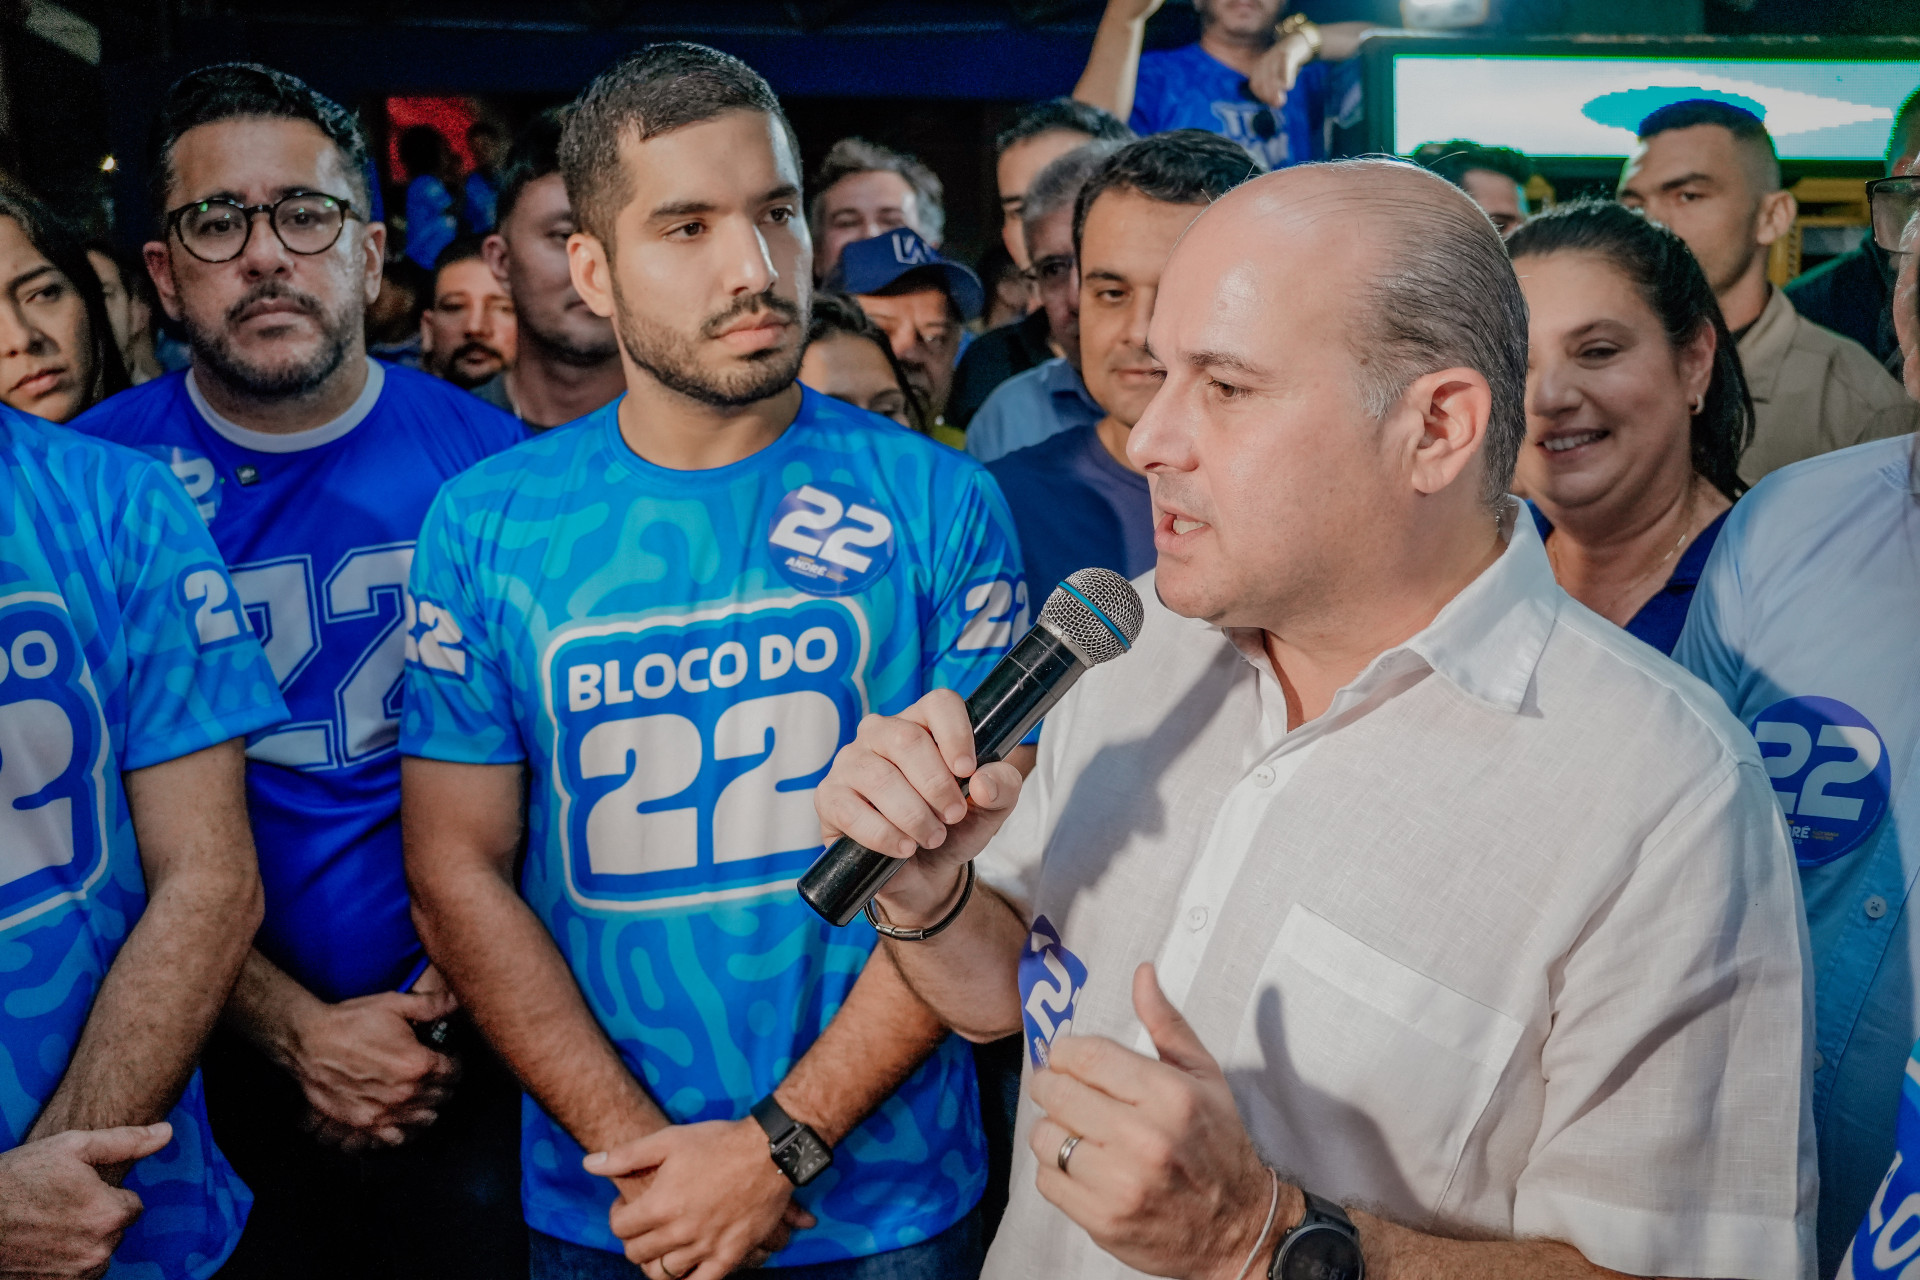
(872,266)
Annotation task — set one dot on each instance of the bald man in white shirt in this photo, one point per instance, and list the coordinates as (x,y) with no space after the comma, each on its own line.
(1410,920)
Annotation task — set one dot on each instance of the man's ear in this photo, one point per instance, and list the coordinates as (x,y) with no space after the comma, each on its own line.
(592,273)
(1778,209)
(1453,407)
(160,271)
(376,248)
(493,250)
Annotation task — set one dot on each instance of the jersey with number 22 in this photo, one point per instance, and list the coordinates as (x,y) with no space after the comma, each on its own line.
(105,666)
(318,529)
(677,656)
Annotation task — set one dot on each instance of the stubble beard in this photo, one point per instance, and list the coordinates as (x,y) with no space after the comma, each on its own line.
(215,349)
(672,357)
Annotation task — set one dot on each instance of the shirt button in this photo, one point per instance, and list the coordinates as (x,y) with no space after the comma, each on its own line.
(1876,907)
(1197,919)
(1263,776)
(1819,1060)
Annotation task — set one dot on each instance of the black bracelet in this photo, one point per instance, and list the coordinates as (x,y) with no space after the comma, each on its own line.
(886,930)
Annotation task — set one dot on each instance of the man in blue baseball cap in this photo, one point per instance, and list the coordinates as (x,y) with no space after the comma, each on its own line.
(920,299)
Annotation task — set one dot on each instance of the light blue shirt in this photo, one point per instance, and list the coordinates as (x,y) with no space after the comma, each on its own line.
(1805,621)
(676,656)
(1030,407)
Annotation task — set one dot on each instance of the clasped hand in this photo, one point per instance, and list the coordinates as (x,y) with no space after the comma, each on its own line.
(1164,1177)
(698,1201)
(368,1080)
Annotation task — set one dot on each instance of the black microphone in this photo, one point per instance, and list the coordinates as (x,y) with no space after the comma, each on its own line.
(1092,617)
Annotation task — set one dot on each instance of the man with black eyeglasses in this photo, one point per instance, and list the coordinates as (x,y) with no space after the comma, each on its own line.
(335,1083)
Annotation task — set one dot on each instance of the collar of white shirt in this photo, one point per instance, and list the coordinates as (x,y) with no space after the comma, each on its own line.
(1487,640)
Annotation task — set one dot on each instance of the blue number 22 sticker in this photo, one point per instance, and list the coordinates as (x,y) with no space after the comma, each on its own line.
(1051,979)
(1829,769)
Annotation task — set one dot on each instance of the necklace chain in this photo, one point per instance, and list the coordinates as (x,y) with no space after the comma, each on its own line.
(1686,533)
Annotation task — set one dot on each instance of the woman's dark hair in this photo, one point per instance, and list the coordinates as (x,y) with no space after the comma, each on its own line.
(1676,290)
(835,314)
(67,251)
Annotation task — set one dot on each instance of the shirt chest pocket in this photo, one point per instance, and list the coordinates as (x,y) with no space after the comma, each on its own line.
(1360,1075)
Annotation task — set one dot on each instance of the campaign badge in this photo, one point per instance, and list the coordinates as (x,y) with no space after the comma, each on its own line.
(1830,771)
(829,539)
(1051,979)
(1889,1234)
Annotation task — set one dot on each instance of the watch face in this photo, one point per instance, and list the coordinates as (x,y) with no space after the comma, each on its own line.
(803,1156)
(1321,1252)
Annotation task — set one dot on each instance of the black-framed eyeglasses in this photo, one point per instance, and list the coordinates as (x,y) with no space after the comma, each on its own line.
(1893,202)
(217,230)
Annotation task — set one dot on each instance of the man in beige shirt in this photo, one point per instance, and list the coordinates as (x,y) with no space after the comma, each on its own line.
(1708,170)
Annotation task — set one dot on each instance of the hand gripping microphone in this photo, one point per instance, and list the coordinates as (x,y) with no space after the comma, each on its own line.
(1092,617)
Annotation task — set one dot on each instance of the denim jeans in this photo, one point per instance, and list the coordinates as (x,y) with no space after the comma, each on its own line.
(954,1254)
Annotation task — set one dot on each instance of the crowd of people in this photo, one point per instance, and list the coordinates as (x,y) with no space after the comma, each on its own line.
(1498,865)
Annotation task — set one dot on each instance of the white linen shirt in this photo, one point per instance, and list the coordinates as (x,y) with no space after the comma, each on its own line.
(1507,941)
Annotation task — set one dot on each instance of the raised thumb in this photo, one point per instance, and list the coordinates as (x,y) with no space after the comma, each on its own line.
(1173,1038)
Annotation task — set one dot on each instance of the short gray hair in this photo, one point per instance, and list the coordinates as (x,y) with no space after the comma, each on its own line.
(850,156)
(1057,186)
(1446,296)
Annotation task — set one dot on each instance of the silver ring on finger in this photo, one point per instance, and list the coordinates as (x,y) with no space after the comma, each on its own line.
(1066,1153)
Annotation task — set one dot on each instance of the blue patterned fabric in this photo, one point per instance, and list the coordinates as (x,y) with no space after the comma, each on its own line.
(677,656)
(1188,88)
(317,530)
(110,659)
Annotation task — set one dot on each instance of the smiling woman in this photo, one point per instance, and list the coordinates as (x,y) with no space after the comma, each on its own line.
(57,354)
(1637,412)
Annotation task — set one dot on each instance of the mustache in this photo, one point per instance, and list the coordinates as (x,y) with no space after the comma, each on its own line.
(466,349)
(268,289)
(751,304)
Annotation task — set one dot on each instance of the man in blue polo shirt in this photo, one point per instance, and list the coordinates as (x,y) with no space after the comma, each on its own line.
(128,893)
(1804,621)
(1264,82)
(1077,500)
(313,467)
(640,641)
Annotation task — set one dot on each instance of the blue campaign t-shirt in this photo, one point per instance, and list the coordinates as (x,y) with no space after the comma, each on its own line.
(677,656)
(318,529)
(115,654)
(1075,507)
(1188,88)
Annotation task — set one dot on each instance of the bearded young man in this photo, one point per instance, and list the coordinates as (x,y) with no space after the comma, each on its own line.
(312,466)
(641,639)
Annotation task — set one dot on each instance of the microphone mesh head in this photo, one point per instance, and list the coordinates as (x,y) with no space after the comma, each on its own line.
(1092,640)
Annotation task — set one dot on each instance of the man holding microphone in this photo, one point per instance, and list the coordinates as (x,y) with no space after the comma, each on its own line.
(1385,875)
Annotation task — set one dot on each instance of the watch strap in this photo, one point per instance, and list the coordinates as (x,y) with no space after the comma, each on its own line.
(774,1119)
(1320,1214)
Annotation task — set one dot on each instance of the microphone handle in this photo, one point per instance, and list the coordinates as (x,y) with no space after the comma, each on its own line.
(1021,688)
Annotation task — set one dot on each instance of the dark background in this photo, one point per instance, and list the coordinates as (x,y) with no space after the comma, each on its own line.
(934,77)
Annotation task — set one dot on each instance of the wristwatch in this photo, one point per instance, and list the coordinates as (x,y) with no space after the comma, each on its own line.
(796,1149)
(1306,28)
(1323,1247)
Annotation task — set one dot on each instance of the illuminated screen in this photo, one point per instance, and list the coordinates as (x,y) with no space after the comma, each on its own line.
(1574,106)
